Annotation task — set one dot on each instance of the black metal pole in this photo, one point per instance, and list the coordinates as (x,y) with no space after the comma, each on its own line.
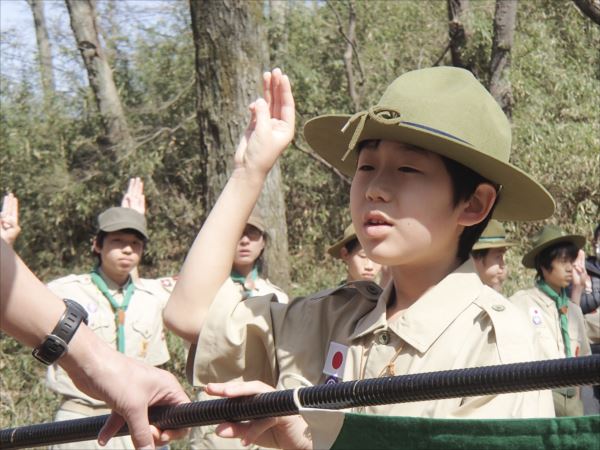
(490,380)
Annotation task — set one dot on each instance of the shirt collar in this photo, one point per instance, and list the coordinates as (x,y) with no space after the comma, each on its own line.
(428,317)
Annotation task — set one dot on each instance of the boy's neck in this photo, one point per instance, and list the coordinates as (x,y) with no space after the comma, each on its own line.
(410,283)
(116,278)
(243,270)
(554,287)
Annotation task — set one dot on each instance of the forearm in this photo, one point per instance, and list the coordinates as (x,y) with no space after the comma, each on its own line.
(28,310)
(209,261)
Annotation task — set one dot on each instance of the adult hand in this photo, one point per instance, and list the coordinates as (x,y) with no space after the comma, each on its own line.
(134,197)
(271,126)
(129,387)
(288,432)
(9,219)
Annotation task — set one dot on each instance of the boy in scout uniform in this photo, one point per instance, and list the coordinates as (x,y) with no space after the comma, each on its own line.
(557,321)
(349,250)
(428,163)
(488,255)
(124,312)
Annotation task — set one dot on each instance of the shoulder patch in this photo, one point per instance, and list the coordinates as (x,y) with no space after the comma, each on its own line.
(513,334)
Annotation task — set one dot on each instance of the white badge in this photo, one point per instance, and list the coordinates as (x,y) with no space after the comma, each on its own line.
(336,360)
(536,315)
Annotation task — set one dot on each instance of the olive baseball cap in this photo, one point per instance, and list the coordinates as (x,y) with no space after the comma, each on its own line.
(548,236)
(447,111)
(349,235)
(493,236)
(119,218)
(256,220)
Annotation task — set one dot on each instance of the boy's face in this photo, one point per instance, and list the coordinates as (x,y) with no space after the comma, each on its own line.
(121,252)
(401,204)
(360,267)
(491,268)
(249,247)
(561,273)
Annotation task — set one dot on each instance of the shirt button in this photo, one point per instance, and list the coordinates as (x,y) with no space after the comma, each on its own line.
(498,307)
(371,289)
(384,338)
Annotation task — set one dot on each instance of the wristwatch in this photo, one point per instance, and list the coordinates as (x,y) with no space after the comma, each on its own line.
(57,342)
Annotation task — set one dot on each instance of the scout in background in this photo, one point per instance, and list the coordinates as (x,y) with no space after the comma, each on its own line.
(428,162)
(359,266)
(124,312)
(557,321)
(488,255)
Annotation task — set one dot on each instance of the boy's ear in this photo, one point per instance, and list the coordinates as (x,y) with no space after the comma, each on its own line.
(344,254)
(95,247)
(478,206)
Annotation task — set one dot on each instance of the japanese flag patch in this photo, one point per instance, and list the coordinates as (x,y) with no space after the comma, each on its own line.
(336,360)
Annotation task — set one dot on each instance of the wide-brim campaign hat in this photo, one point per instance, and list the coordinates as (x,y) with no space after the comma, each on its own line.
(493,236)
(550,235)
(349,235)
(447,111)
(119,218)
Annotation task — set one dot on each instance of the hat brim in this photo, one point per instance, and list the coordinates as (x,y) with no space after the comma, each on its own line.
(118,226)
(529,258)
(521,197)
(336,248)
(499,244)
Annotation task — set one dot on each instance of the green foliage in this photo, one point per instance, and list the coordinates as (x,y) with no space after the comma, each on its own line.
(52,161)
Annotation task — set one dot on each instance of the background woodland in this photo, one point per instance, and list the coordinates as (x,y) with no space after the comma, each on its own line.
(163,97)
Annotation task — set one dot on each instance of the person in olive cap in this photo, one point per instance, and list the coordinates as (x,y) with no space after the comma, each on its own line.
(488,255)
(349,250)
(558,322)
(123,311)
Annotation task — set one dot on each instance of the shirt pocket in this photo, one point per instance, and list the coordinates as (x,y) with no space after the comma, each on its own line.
(103,327)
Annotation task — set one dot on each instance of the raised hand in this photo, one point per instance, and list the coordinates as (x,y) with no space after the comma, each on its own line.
(9,219)
(271,126)
(580,276)
(288,432)
(134,197)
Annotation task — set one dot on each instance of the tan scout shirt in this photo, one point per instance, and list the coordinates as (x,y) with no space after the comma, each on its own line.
(541,313)
(456,324)
(144,334)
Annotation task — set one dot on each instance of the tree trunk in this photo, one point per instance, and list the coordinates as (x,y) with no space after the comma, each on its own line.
(231,54)
(278,30)
(83,23)
(505,18)
(590,8)
(44,51)
(458,32)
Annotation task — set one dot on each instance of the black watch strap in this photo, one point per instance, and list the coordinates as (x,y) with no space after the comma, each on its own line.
(57,342)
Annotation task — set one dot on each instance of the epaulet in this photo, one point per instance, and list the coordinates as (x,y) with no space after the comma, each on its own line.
(510,326)
(82,278)
(369,290)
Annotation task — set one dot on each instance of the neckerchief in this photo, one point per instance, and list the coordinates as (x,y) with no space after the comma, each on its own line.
(562,305)
(236,277)
(119,309)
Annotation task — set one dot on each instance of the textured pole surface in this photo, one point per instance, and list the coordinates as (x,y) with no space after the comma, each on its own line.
(489,380)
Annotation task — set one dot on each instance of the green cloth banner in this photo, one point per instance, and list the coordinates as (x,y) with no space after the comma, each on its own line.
(361,431)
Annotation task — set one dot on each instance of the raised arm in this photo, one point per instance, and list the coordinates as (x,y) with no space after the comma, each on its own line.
(210,258)
(9,219)
(134,197)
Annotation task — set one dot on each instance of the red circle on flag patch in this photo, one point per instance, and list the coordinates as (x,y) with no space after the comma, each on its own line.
(337,359)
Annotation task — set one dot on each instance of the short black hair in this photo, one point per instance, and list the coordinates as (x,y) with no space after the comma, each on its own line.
(560,250)
(597,233)
(480,254)
(351,245)
(464,183)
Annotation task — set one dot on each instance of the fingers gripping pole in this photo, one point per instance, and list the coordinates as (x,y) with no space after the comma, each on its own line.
(490,380)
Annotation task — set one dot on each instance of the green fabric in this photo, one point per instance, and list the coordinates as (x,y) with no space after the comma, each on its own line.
(236,277)
(562,305)
(361,431)
(119,309)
